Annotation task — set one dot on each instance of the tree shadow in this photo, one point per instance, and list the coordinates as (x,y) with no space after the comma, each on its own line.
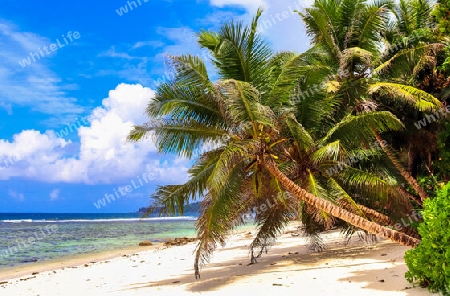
(388,278)
(297,259)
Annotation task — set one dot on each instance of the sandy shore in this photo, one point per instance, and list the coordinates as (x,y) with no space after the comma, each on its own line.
(288,269)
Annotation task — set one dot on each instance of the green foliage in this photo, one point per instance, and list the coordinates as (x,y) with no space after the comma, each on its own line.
(239,52)
(341,24)
(445,67)
(443,162)
(429,263)
(430,184)
(442,16)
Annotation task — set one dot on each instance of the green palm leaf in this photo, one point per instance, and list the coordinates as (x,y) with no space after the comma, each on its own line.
(405,94)
(302,138)
(233,154)
(190,71)
(328,153)
(219,215)
(359,129)
(242,101)
(239,52)
(185,137)
(270,224)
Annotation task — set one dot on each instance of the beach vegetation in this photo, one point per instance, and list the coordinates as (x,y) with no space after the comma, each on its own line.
(429,263)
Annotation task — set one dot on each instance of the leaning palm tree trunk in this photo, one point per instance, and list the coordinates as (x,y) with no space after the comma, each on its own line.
(387,221)
(410,179)
(384,220)
(337,211)
(403,191)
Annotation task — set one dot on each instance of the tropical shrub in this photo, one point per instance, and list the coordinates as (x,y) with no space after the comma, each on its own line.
(441,14)
(429,263)
(444,150)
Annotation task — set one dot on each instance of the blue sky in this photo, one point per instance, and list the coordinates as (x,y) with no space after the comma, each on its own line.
(75,77)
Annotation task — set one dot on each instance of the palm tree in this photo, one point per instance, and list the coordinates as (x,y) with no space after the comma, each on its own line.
(413,50)
(262,152)
(351,33)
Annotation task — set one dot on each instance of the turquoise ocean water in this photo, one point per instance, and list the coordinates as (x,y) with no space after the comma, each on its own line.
(27,238)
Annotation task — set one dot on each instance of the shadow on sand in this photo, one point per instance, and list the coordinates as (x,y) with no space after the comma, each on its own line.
(297,259)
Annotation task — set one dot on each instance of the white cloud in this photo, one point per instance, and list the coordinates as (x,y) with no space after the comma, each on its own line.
(35,85)
(54,195)
(30,154)
(134,68)
(7,107)
(16,195)
(151,43)
(283,28)
(251,5)
(138,67)
(179,41)
(103,155)
(112,53)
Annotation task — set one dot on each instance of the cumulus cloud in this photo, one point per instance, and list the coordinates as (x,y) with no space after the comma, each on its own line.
(103,155)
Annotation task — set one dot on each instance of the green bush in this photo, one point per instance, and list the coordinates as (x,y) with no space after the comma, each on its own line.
(429,263)
(441,14)
(443,163)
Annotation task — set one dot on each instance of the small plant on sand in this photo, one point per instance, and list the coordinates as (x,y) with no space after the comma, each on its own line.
(429,263)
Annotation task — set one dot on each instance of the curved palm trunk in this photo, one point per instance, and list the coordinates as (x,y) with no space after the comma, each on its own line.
(409,195)
(337,211)
(385,220)
(376,216)
(410,179)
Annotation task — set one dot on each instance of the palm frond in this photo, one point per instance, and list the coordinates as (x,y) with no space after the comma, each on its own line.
(312,67)
(242,101)
(406,58)
(209,40)
(367,182)
(190,71)
(319,24)
(167,201)
(359,129)
(233,154)
(138,133)
(343,197)
(312,227)
(184,138)
(270,224)
(302,138)
(371,23)
(328,153)
(405,94)
(239,52)
(219,215)
(184,101)
(170,199)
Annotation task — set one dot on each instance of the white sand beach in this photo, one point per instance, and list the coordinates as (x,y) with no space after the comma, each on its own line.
(290,268)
